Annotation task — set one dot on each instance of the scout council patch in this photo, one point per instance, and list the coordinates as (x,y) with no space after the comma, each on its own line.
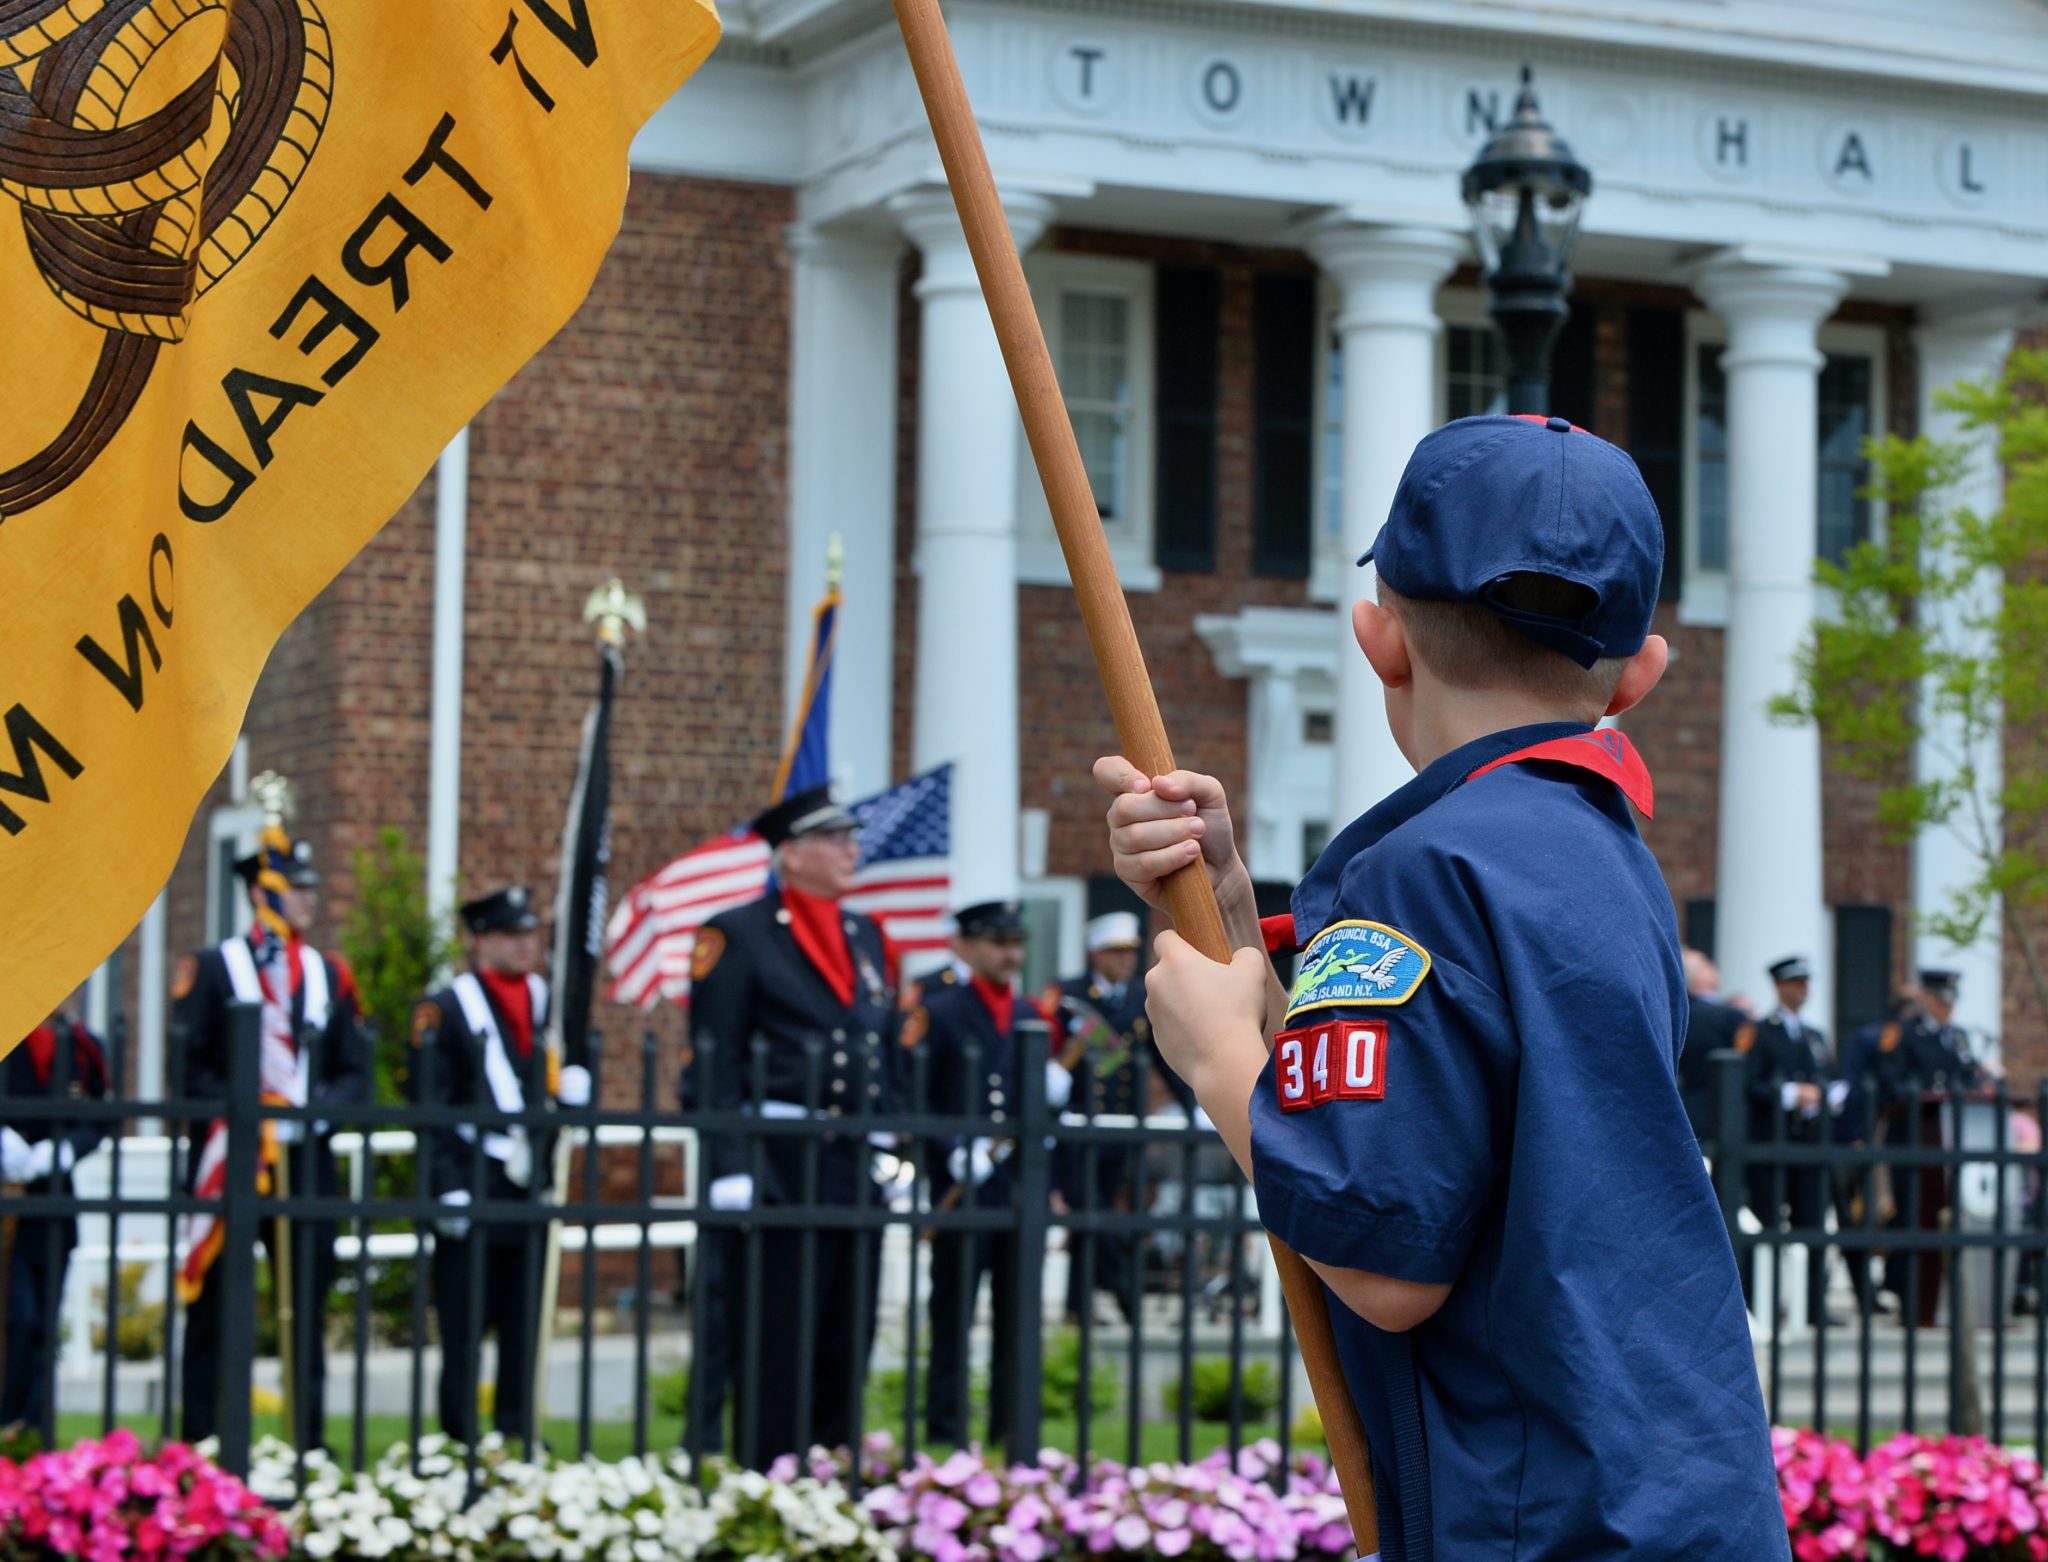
(1357,965)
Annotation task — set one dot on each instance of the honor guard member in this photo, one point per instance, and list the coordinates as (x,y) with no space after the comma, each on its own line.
(1110,997)
(1470,1121)
(479,1043)
(1711,1026)
(1932,1057)
(1792,1076)
(309,1005)
(796,995)
(1865,1057)
(58,1058)
(971,1033)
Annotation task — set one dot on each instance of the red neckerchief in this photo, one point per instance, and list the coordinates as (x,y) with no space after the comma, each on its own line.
(820,932)
(41,1046)
(514,1002)
(1604,751)
(1001,1001)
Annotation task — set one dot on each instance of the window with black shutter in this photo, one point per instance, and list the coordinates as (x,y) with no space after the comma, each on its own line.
(1656,424)
(1187,353)
(1283,474)
(1863,968)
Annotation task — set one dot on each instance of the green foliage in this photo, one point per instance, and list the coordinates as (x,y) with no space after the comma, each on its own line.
(397,948)
(1212,1387)
(1941,636)
(1060,1380)
(139,1330)
(1307,1431)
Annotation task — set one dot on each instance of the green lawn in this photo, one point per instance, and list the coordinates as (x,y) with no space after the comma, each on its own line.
(1158,1439)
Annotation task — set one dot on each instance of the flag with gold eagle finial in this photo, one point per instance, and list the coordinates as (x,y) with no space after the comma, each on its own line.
(259,261)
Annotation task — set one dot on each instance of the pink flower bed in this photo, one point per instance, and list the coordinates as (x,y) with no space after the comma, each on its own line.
(1957,1499)
(107,1502)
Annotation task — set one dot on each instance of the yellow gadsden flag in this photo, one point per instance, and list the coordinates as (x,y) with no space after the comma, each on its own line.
(259,260)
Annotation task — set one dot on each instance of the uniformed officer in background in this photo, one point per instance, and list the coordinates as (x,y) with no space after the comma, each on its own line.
(795,995)
(972,1035)
(1712,1025)
(1930,1055)
(1791,1073)
(60,1057)
(309,1008)
(479,1042)
(1109,1000)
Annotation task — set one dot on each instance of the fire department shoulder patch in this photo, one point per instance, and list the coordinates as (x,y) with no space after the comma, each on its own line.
(185,976)
(915,1024)
(705,956)
(426,1019)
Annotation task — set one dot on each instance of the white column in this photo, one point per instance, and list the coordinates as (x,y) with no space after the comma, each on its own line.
(444,744)
(1387,326)
(1273,852)
(1961,347)
(843,399)
(1769,891)
(969,441)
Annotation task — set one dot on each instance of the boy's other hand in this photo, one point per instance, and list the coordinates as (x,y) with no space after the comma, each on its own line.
(1203,1012)
(1161,824)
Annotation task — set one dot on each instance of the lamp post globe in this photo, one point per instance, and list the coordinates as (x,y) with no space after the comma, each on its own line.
(1526,192)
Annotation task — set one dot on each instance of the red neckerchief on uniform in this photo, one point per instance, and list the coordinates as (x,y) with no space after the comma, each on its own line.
(1605,751)
(513,1000)
(1001,1001)
(820,932)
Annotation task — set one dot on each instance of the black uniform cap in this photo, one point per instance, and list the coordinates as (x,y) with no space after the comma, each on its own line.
(1941,983)
(298,872)
(509,910)
(1793,970)
(991,919)
(803,813)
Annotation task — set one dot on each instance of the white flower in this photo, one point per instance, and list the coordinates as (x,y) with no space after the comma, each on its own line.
(321,1543)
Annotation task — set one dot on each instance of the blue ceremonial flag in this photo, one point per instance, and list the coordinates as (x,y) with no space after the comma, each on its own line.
(807,762)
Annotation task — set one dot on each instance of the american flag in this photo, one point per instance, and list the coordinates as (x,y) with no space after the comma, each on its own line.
(905,882)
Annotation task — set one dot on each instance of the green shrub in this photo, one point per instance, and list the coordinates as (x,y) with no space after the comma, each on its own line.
(397,949)
(1260,1391)
(139,1331)
(1060,1381)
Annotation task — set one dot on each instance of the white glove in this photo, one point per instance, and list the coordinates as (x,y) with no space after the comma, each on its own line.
(882,1141)
(454,1227)
(574,1090)
(734,1192)
(1059,1086)
(973,1164)
(46,1157)
(1838,1093)
(17,1157)
(1788,1096)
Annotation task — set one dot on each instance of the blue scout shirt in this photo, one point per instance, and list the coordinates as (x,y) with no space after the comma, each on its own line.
(1477,1086)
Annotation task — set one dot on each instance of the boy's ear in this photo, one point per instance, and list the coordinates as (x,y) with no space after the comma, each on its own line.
(1641,674)
(1384,640)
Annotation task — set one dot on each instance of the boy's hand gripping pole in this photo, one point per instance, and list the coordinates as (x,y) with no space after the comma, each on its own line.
(1117,654)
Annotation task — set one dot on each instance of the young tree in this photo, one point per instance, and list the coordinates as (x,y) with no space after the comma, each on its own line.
(397,947)
(1939,649)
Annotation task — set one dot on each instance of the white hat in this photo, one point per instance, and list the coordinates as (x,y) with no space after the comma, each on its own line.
(1114,930)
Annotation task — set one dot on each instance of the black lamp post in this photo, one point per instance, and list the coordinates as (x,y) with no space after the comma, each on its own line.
(1525,192)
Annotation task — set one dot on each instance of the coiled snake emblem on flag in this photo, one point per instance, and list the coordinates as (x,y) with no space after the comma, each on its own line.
(131,216)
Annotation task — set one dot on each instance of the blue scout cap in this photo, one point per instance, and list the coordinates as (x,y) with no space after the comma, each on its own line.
(1487,498)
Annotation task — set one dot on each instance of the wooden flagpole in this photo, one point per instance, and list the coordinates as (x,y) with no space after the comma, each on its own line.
(1118,656)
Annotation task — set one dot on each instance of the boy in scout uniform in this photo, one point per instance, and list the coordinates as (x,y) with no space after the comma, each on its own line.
(478,1042)
(1470,1122)
(815,986)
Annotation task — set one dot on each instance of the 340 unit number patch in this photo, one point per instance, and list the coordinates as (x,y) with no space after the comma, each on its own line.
(1345,1060)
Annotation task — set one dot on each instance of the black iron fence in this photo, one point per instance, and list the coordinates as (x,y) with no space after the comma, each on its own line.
(1891,1277)
(1891,1250)
(1188,1349)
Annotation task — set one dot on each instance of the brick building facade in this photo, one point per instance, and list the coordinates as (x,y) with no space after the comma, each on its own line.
(663,437)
